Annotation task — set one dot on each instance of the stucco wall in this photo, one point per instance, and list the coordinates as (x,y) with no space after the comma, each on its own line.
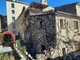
(78,9)
(18,9)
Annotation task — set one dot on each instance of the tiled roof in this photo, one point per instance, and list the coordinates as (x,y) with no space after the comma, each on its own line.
(38,5)
(69,8)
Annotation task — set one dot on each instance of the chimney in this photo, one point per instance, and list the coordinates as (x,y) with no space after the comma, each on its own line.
(44,2)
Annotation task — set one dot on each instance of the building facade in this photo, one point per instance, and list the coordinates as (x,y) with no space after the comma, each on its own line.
(57,32)
(3,22)
(38,32)
(67,33)
(0,22)
(37,7)
(14,9)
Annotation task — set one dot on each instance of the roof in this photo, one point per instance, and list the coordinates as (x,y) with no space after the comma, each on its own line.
(33,12)
(71,4)
(69,8)
(38,5)
(36,8)
(60,12)
(42,13)
(19,2)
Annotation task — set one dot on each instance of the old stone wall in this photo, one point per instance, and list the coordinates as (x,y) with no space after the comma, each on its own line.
(42,32)
(67,38)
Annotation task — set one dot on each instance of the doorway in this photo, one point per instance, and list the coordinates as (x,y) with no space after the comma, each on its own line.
(43,48)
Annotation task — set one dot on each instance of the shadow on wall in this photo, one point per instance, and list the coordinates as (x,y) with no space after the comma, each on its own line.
(70,56)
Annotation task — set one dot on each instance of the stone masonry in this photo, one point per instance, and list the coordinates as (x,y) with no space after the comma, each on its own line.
(57,33)
(41,31)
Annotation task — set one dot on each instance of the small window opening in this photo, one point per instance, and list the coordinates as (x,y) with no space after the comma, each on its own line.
(43,48)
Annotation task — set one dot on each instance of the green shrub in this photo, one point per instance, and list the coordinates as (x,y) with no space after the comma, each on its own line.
(20,47)
(4,56)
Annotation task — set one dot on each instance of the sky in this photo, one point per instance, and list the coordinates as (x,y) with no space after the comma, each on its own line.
(52,3)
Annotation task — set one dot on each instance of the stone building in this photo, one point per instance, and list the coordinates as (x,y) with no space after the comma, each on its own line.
(57,32)
(37,31)
(67,33)
(38,8)
(68,27)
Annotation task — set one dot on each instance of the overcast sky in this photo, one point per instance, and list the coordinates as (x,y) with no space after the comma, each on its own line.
(52,3)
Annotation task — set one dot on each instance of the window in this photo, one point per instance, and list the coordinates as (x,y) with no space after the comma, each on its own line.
(13,18)
(77,46)
(61,23)
(12,5)
(13,11)
(75,24)
(5,21)
(14,25)
(41,24)
(14,32)
(63,51)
